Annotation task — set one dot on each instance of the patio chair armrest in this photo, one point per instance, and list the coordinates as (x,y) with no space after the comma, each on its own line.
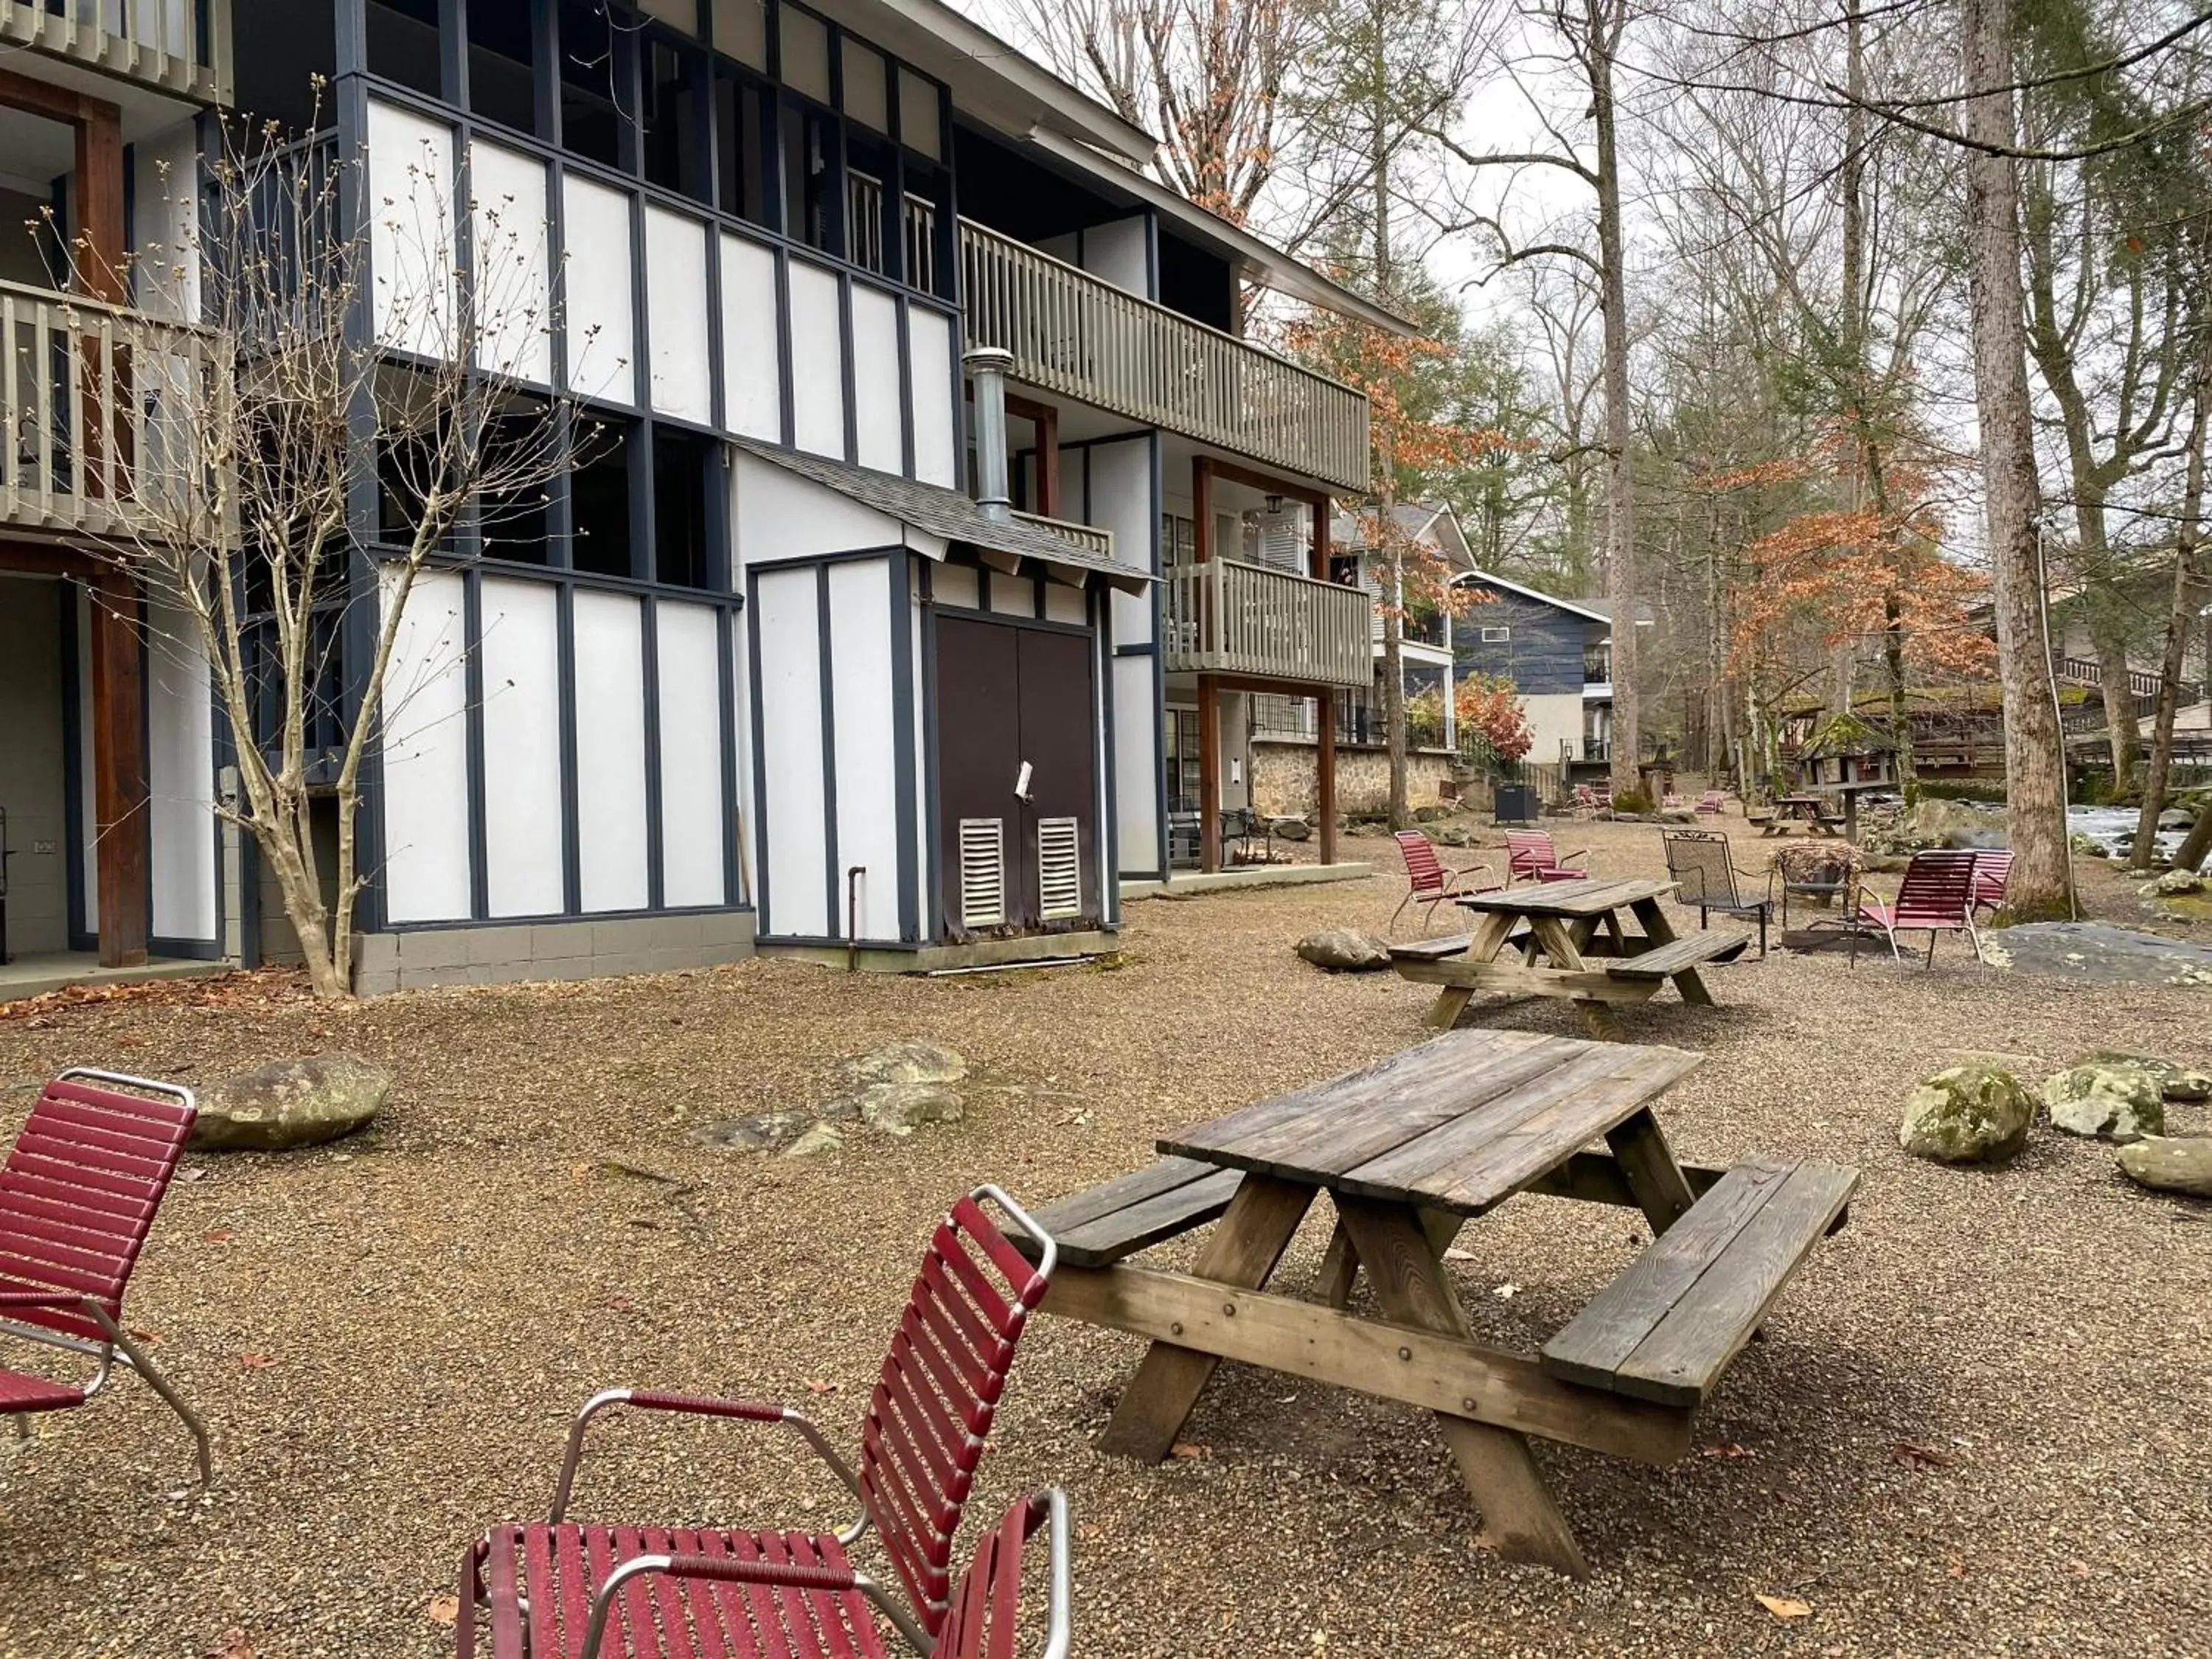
(655,1400)
(1484,870)
(724,1569)
(41,1299)
(1579,853)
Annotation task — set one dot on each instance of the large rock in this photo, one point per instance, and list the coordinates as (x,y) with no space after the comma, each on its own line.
(2110,1101)
(288,1103)
(2172,884)
(1969,1114)
(1345,950)
(2096,953)
(2175,1081)
(911,1061)
(2171,1164)
(897,1108)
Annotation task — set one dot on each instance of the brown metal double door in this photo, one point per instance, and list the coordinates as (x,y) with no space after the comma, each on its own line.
(1018,851)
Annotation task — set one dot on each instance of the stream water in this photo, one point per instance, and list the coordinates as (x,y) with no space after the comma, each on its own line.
(2110,828)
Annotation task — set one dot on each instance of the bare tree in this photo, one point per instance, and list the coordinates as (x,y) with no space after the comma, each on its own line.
(1589,34)
(246,497)
(2042,878)
(1207,77)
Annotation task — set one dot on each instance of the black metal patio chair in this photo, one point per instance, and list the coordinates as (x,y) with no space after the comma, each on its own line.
(1699,860)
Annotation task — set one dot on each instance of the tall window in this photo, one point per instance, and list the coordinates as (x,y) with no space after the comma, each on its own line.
(683,465)
(403,43)
(744,142)
(673,131)
(1181,759)
(503,64)
(600,498)
(594,82)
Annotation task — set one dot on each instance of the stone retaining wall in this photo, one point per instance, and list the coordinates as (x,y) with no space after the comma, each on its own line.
(1284,784)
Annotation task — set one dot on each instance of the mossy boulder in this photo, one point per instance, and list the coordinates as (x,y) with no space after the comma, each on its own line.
(290,1104)
(1968,1114)
(2175,1081)
(1344,950)
(2113,1102)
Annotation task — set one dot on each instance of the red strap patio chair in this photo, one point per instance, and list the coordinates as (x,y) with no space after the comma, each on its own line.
(680,1592)
(1712,801)
(1530,852)
(1585,798)
(922,1437)
(1428,883)
(1993,878)
(77,1198)
(1937,896)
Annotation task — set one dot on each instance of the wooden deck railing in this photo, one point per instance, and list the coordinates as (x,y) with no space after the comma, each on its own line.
(1070,332)
(100,404)
(183,49)
(1090,538)
(1226,617)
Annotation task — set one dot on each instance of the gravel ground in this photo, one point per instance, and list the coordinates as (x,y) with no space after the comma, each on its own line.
(1979,1424)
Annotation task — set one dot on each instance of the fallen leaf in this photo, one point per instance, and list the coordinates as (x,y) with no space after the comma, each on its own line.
(256,1362)
(445,1609)
(1090,1534)
(1726,1449)
(1507,1291)
(1188,1448)
(1455,1254)
(816,1385)
(218,1234)
(231,1645)
(1785,1606)
(2079,1569)
(1919,1457)
(190,1174)
(1958,1568)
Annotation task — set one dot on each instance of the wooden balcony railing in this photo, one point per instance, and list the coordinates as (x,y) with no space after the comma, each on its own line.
(1071,333)
(180,47)
(1225,618)
(101,405)
(1090,538)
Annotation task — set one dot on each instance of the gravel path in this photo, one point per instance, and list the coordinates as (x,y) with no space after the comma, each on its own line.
(1979,1424)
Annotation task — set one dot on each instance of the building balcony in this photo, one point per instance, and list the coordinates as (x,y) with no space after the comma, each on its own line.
(100,404)
(1090,538)
(178,46)
(1225,618)
(1075,334)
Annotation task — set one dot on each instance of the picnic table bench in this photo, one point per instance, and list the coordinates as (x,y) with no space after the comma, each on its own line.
(1409,1149)
(1572,940)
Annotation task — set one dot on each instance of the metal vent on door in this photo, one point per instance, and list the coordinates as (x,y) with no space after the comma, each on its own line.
(982,872)
(1059,868)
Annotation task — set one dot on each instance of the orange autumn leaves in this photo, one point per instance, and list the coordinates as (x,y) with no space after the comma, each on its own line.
(1851,575)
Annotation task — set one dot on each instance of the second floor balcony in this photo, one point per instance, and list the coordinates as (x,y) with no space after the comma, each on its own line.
(1226,617)
(179,46)
(100,404)
(1074,334)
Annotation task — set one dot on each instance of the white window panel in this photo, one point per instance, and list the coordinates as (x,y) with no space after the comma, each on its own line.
(512,283)
(676,300)
(526,874)
(426,755)
(611,830)
(818,361)
(688,647)
(876,388)
(411,240)
(601,328)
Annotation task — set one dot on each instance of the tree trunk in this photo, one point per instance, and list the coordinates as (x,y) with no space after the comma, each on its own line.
(2108,637)
(1386,506)
(1604,17)
(2188,599)
(2042,881)
(2197,842)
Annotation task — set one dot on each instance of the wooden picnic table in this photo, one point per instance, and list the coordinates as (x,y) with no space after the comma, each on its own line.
(1573,941)
(1409,1149)
(1810,810)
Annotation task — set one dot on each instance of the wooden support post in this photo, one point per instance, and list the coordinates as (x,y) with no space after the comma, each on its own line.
(119,769)
(99,248)
(1209,699)
(1518,1513)
(1046,418)
(1663,1191)
(1209,774)
(1325,770)
(1240,1253)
